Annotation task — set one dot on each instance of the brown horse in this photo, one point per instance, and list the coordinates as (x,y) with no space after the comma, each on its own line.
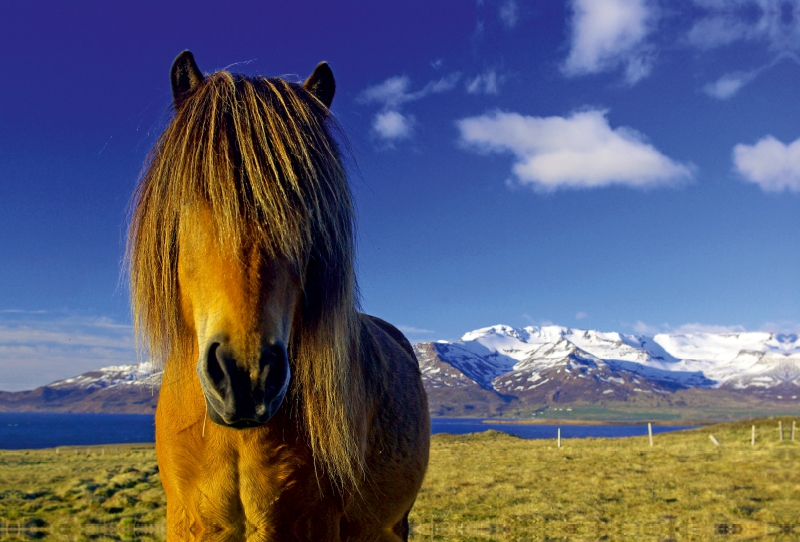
(284,414)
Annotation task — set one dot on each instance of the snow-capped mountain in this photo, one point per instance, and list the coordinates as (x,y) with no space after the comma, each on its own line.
(138,375)
(117,389)
(501,369)
(553,363)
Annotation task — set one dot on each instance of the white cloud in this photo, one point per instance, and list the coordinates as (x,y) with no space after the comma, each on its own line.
(607,34)
(579,151)
(394,92)
(390,93)
(770,164)
(696,327)
(581,315)
(693,327)
(541,322)
(485,83)
(733,20)
(781,327)
(411,329)
(37,348)
(717,31)
(448,82)
(392,125)
(644,329)
(24,334)
(728,85)
(389,123)
(774,23)
(508,13)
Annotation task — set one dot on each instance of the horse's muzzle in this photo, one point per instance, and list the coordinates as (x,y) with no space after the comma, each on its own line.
(241,397)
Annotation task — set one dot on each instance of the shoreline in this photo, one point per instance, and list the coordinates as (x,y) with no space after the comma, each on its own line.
(656,423)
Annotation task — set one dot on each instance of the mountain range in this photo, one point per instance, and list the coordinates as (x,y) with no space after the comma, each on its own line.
(123,389)
(502,370)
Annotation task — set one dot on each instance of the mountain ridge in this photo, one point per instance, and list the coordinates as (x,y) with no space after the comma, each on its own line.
(502,370)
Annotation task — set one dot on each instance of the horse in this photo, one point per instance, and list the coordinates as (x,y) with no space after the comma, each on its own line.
(285,414)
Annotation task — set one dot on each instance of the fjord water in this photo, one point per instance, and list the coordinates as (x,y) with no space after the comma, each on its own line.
(461,426)
(28,430)
(24,430)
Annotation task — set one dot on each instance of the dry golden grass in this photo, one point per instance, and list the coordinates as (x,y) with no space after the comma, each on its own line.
(492,486)
(488,486)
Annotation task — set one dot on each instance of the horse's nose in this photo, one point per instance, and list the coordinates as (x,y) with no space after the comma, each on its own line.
(240,396)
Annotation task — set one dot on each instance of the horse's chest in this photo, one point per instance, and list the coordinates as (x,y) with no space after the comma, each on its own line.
(252,481)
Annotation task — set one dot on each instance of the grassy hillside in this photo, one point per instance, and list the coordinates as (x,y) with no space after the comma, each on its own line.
(693,404)
(489,486)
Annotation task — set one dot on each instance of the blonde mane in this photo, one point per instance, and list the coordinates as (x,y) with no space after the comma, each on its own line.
(261,153)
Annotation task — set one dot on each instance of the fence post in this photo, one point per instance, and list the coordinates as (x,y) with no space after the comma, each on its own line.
(559,437)
(793,425)
(714,440)
(780,429)
(753,436)
(650,433)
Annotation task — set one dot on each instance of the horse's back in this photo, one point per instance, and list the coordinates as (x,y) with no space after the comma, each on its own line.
(398,437)
(394,333)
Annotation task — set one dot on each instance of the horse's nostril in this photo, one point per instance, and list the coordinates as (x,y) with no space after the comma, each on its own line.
(270,355)
(274,370)
(243,396)
(213,365)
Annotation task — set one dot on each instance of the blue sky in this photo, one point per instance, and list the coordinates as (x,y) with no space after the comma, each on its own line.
(628,165)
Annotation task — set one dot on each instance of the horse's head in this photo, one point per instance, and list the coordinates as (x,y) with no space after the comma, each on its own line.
(241,228)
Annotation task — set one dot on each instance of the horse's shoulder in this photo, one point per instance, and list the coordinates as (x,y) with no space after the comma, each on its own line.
(379,327)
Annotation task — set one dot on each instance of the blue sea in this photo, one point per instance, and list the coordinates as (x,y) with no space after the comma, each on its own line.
(34,430)
(460,426)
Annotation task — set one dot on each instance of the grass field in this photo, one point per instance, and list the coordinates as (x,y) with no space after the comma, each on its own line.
(488,486)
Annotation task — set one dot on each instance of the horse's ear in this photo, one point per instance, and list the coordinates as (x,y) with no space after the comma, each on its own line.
(321,84)
(184,76)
